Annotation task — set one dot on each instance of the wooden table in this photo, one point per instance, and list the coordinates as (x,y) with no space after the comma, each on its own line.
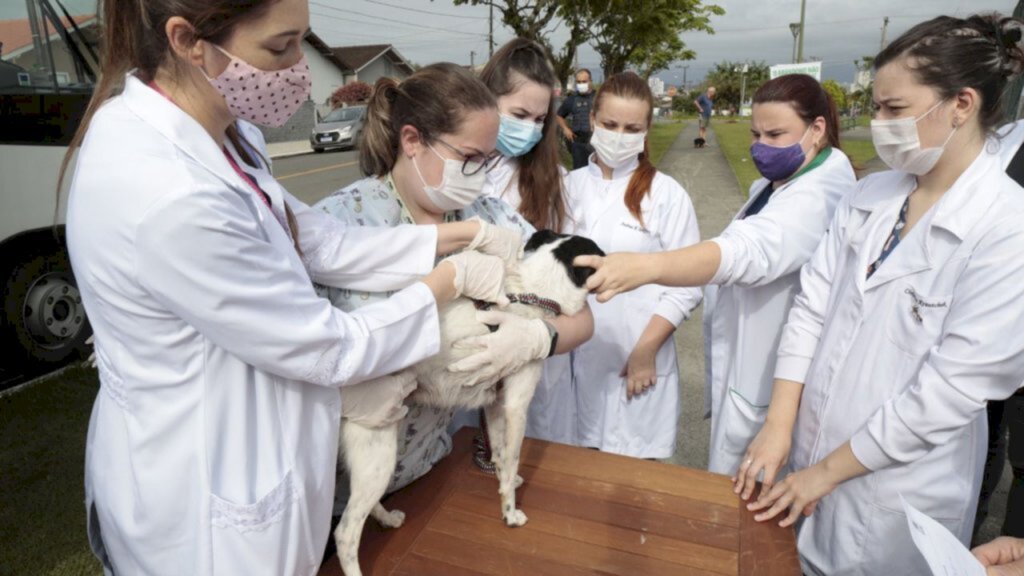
(589,513)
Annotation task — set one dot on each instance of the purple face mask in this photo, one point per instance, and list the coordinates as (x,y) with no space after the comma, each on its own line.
(778,162)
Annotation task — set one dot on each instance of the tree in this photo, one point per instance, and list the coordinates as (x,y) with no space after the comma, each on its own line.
(727,78)
(537,19)
(836,92)
(645,33)
(351,93)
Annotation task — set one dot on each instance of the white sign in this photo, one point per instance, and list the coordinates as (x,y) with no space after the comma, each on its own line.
(945,554)
(809,68)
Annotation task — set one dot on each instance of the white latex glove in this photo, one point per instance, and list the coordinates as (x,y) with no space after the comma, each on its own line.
(517,341)
(379,402)
(504,243)
(479,276)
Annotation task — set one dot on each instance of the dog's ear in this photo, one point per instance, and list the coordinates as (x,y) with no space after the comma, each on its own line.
(568,251)
(540,238)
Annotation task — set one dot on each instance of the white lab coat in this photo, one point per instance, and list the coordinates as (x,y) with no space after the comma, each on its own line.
(552,414)
(901,365)
(747,301)
(213,438)
(645,426)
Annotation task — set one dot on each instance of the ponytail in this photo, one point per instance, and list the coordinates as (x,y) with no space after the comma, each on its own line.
(378,150)
(640,184)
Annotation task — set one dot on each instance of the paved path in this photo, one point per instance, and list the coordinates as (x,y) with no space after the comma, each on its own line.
(716,195)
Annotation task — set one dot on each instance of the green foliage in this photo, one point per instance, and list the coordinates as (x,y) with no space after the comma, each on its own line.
(646,33)
(836,91)
(727,78)
(683,102)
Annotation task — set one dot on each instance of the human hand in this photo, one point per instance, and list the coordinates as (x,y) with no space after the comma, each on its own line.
(568,135)
(768,451)
(379,402)
(799,493)
(479,276)
(1003,556)
(504,243)
(640,372)
(615,273)
(497,354)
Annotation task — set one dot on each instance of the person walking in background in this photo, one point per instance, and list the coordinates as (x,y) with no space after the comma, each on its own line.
(578,105)
(705,103)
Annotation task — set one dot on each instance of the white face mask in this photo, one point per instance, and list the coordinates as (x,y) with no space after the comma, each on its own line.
(899,146)
(616,149)
(456,190)
(582,87)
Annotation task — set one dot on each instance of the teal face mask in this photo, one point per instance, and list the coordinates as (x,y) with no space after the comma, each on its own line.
(517,137)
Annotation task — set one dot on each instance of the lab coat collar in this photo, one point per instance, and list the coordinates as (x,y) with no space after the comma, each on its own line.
(624,171)
(183,131)
(500,176)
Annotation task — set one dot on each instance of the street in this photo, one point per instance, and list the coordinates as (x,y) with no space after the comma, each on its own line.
(310,177)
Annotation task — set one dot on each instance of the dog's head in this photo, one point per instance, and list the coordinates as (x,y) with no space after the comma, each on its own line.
(547,268)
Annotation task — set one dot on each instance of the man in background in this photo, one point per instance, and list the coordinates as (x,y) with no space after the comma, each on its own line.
(577,106)
(705,102)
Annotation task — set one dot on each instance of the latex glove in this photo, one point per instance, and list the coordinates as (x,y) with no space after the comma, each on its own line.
(379,402)
(516,342)
(768,451)
(1002,556)
(479,276)
(639,370)
(504,243)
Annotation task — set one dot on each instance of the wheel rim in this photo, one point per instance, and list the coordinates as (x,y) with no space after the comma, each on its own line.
(53,311)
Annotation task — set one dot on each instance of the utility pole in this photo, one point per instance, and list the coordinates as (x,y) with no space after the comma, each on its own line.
(490,33)
(795,29)
(800,48)
(472,59)
(684,76)
(885,24)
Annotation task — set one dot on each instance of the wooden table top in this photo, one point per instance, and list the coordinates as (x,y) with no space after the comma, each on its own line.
(589,513)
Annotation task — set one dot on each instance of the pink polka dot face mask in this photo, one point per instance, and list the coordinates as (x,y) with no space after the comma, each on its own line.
(266,98)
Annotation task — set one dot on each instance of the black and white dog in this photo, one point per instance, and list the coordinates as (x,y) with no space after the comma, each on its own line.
(544,284)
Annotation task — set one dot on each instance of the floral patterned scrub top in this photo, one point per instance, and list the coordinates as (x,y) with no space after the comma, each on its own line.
(423,437)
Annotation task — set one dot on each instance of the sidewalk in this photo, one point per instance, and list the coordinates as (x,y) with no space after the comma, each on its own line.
(286,149)
(716,195)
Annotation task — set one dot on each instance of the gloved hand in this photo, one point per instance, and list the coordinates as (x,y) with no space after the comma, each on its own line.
(517,341)
(379,402)
(479,276)
(504,243)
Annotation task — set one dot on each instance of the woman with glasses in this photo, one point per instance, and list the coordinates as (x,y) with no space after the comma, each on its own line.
(427,147)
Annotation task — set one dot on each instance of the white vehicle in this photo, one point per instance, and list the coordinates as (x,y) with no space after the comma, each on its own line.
(47,63)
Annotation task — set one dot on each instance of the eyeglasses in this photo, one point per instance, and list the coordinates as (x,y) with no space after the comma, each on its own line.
(473,163)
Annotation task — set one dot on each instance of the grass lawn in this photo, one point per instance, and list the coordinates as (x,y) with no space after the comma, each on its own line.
(42,463)
(734,138)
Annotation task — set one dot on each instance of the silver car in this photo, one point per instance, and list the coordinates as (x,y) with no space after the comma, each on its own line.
(341,128)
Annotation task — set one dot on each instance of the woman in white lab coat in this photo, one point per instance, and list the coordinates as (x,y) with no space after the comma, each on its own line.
(626,378)
(752,267)
(213,436)
(910,317)
(530,177)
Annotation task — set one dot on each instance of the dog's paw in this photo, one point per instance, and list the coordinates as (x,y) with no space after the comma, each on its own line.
(515,519)
(392,519)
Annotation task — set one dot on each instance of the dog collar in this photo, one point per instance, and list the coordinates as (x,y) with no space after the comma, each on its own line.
(529,299)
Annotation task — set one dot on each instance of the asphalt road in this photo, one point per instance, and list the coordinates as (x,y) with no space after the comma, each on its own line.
(310,177)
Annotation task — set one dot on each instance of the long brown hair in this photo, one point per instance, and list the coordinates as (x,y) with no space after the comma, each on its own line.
(134,39)
(629,86)
(435,100)
(540,177)
(807,98)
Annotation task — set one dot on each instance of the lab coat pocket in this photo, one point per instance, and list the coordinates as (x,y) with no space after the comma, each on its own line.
(268,536)
(916,320)
(742,421)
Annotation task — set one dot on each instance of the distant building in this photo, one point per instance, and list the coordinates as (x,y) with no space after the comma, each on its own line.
(657,86)
(18,48)
(334,67)
(862,80)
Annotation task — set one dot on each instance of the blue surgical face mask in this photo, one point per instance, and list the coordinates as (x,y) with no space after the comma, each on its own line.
(517,137)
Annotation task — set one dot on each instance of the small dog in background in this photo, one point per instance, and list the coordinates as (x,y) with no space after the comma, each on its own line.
(698,142)
(544,284)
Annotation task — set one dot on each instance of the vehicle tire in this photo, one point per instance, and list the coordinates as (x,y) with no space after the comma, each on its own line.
(318,150)
(46,323)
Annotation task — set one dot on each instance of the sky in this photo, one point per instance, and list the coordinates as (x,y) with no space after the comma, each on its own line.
(425,31)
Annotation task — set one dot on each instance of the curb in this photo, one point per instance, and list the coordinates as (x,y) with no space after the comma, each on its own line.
(290,154)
